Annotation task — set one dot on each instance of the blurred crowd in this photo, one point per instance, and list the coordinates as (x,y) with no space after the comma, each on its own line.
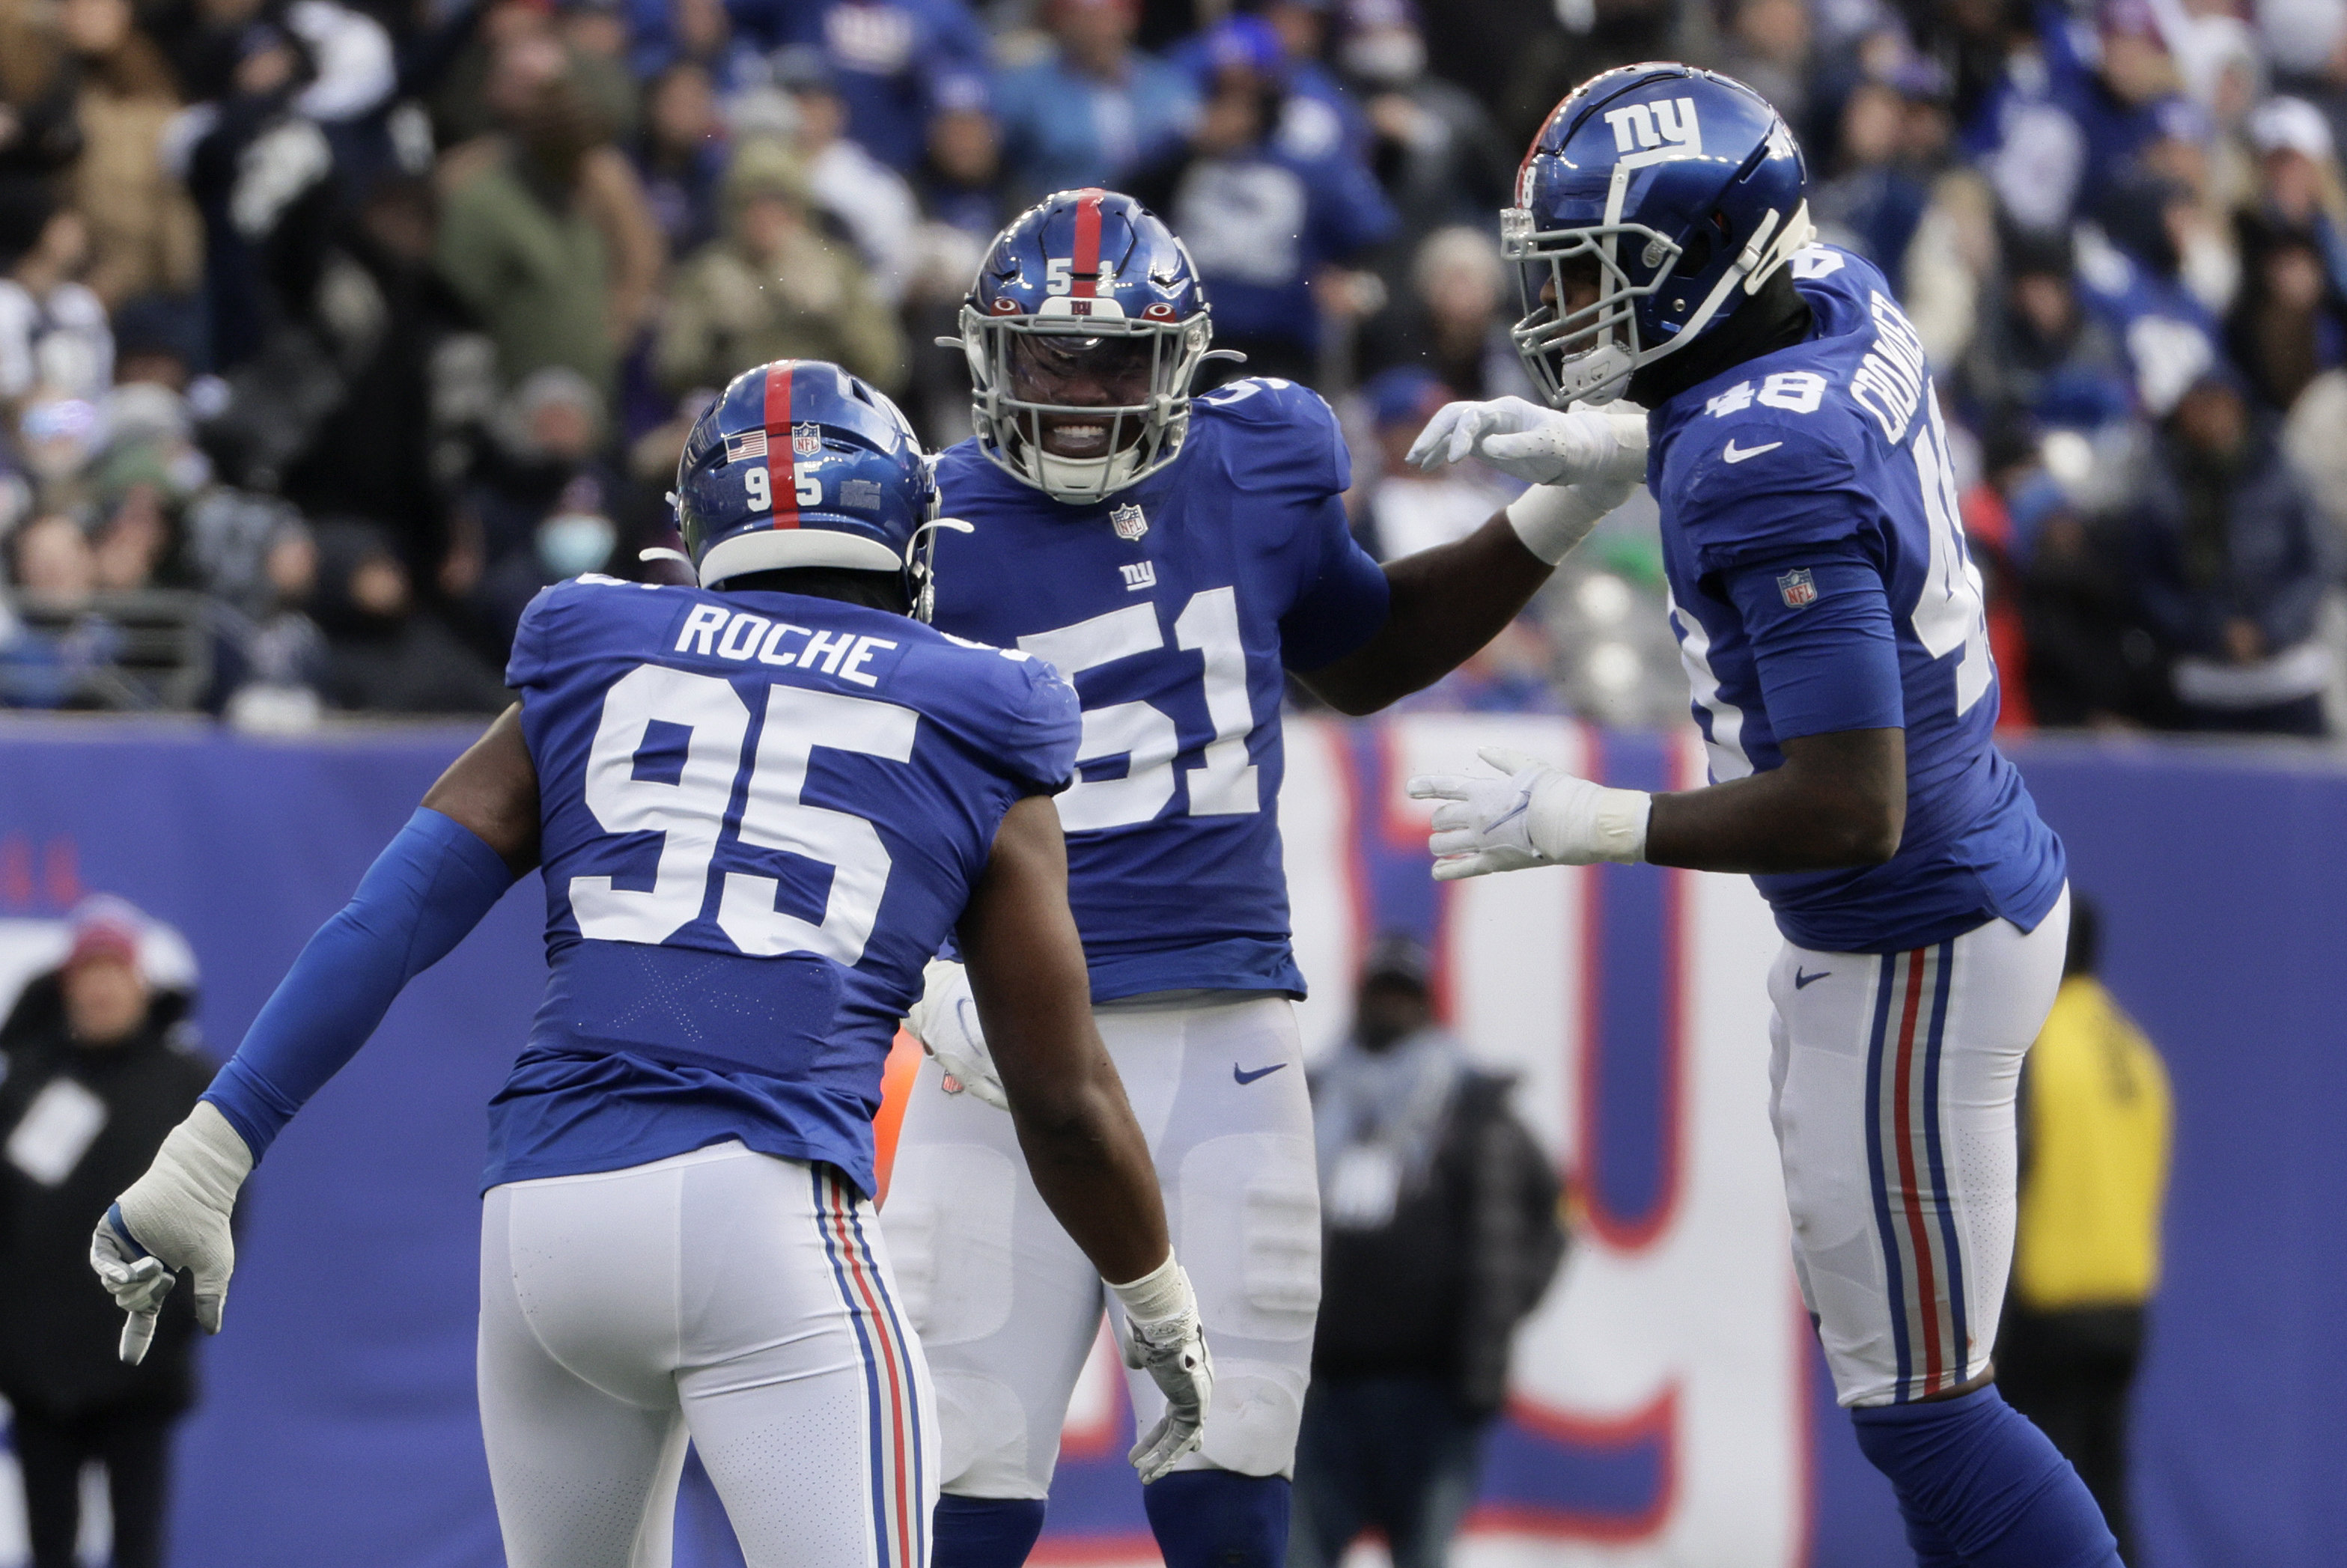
(332,330)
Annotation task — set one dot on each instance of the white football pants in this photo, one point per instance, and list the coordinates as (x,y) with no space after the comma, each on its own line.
(1892,1080)
(1008,1308)
(737,1299)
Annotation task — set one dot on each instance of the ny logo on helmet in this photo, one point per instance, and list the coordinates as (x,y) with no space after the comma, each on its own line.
(806,440)
(1665,122)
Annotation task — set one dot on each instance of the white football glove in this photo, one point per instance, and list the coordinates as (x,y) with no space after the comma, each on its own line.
(1533,814)
(945,1021)
(1162,1338)
(1539,446)
(174,1218)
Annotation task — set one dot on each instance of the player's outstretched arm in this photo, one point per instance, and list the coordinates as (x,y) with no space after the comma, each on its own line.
(1444,604)
(1838,800)
(1082,1146)
(474,834)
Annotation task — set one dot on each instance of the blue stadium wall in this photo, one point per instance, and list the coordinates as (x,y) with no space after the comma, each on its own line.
(1672,1407)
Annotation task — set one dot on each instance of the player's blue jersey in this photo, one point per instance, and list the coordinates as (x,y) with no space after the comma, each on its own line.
(762,814)
(1173,606)
(1799,491)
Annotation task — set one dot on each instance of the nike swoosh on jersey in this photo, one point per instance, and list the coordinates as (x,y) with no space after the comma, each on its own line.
(1246,1078)
(1732,453)
(1802,982)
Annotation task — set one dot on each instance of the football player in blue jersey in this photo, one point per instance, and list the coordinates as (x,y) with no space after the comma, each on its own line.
(1175,558)
(759,805)
(1831,625)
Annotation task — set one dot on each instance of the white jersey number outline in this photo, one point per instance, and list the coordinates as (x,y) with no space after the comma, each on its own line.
(690,814)
(1224,782)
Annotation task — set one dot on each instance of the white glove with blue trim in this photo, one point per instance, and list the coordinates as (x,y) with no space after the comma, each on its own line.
(1531,815)
(1580,464)
(945,1021)
(174,1218)
(1162,1338)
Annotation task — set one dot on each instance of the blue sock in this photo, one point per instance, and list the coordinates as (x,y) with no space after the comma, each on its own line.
(1980,1486)
(985,1531)
(1218,1518)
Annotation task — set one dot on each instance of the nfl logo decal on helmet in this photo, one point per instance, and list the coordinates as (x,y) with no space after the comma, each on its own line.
(857,493)
(1128,522)
(1083,330)
(1676,192)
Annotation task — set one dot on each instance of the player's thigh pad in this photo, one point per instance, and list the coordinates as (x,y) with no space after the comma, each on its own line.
(1219,1090)
(742,1300)
(1005,1305)
(1893,1079)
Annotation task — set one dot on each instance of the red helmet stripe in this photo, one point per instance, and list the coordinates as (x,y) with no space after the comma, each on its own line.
(1086,265)
(784,488)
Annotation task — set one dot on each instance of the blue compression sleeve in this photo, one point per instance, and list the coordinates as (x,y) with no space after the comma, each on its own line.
(428,889)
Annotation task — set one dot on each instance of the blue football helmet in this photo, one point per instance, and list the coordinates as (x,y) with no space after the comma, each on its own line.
(1680,189)
(1083,330)
(800,463)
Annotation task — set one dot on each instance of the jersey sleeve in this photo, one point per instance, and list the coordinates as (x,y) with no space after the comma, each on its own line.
(533,652)
(1293,447)
(1344,598)
(1044,730)
(1762,482)
(1822,640)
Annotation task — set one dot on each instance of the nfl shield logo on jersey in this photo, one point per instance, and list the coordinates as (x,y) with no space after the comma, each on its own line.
(1128,521)
(806,440)
(1798,588)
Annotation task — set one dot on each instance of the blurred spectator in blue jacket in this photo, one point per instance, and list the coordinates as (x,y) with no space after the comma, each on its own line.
(896,64)
(1093,108)
(2231,562)
(1270,228)
(2039,353)
(1872,205)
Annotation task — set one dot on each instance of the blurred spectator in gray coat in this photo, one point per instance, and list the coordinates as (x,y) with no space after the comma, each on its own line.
(2231,562)
(99,1066)
(1440,1236)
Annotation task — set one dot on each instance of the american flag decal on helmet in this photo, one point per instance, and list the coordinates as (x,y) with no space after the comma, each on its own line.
(806,440)
(748,444)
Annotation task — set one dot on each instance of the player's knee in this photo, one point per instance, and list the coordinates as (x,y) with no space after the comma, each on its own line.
(1252,1424)
(985,1440)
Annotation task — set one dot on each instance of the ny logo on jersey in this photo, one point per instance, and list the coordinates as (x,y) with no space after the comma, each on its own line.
(1128,521)
(1665,122)
(806,440)
(1139,575)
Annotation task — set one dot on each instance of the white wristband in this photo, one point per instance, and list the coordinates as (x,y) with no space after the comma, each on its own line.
(1575,826)
(1552,518)
(1162,1292)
